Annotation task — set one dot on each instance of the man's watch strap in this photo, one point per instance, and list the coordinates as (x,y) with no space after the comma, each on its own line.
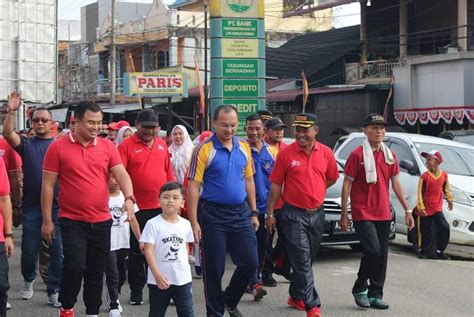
(254,213)
(132,198)
(8,235)
(269,216)
(409,211)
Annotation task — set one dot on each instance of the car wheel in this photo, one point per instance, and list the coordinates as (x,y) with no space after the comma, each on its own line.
(356,247)
(392,227)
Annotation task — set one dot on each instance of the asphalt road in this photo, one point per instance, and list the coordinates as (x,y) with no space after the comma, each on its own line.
(413,288)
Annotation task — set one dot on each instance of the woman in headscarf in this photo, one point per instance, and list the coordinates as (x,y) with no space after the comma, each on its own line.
(122,134)
(180,149)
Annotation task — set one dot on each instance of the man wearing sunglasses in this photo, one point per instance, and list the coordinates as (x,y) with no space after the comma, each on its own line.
(32,151)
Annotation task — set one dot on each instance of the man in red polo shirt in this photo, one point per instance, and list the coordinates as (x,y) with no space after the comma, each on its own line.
(81,162)
(13,166)
(6,237)
(305,168)
(367,175)
(147,160)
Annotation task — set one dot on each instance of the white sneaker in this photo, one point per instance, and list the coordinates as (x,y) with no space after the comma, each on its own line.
(53,300)
(26,290)
(9,306)
(120,308)
(114,313)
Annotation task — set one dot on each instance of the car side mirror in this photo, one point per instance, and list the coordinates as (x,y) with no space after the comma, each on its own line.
(409,166)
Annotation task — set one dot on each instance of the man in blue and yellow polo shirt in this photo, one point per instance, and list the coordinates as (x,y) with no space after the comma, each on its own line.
(224,215)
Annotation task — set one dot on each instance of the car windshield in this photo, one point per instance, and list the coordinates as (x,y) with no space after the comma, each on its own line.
(456,159)
(469,139)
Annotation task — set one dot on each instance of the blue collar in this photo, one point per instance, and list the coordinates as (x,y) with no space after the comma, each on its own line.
(218,145)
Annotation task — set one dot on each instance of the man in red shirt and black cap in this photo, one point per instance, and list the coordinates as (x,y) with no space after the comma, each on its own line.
(367,175)
(303,170)
(147,160)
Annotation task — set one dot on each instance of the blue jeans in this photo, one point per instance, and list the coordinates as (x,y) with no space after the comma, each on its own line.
(182,297)
(31,244)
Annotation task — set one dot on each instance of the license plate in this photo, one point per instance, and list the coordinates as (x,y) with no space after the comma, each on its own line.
(337,227)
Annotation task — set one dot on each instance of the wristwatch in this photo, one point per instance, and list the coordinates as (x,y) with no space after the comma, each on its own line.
(132,198)
(254,213)
(409,211)
(8,235)
(268,216)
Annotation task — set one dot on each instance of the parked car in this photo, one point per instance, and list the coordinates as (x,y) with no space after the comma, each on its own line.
(333,235)
(463,136)
(458,163)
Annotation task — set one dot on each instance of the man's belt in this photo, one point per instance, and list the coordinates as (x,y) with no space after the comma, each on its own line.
(306,210)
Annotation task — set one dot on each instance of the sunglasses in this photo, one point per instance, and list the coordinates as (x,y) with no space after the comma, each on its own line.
(43,120)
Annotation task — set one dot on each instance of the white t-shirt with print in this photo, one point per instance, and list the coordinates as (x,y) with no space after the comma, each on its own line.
(170,248)
(120,231)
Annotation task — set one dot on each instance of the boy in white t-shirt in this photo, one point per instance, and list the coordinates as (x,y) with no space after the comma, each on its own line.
(166,239)
(115,271)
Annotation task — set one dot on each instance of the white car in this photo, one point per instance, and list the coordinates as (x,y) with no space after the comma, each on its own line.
(458,163)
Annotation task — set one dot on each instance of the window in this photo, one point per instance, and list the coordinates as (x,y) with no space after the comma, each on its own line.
(402,150)
(160,59)
(347,148)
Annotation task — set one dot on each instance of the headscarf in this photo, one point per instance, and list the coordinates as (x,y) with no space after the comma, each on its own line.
(180,154)
(120,133)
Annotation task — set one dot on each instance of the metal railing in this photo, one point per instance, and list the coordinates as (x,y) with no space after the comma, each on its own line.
(102,86)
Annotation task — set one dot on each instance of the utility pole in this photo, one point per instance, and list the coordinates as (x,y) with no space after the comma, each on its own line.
(206,100)
(112,55)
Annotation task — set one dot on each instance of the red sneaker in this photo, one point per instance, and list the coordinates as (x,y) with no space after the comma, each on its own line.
(298,304)
(314,312)
(66,312)
(258,291)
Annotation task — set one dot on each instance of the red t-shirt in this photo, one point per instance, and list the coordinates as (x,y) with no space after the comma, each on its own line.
(370,201)
(279,203)
(83,174)
(10,156)
(304,176)
(4,190)
(149,169)
(430,192)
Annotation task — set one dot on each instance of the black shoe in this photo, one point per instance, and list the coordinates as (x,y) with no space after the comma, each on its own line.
(377,303)
(136,298)
(361,299)
(233,312)
(422,256)
(285,274)
(269,281)
(442,256)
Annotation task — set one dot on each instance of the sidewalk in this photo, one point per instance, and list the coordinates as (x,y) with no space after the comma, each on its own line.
(456,251)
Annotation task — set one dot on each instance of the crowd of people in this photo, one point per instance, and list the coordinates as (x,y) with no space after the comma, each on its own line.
(117,201)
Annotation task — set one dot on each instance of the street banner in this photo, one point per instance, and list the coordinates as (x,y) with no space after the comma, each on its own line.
(155,84)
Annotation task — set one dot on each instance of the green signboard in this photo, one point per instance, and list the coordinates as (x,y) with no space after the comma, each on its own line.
(240,87)
(240,68)
(239,28)
(245,107)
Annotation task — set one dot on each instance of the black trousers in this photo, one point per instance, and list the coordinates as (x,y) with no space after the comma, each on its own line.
(373,236)
(425,230)
(137,267)
(276,257)
(4,284)
(303,232)
(86,248)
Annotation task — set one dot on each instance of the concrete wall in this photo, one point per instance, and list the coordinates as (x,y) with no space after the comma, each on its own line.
(444,80)
(125,11)
(89,22)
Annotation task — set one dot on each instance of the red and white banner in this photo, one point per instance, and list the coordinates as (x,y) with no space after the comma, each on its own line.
(434,115)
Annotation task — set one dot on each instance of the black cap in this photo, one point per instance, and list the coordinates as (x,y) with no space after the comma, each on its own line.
(265,114)
(147,118)
(374,118)
(305,120)
(275,123)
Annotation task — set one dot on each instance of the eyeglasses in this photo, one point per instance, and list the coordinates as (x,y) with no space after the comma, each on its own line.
(43,120)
